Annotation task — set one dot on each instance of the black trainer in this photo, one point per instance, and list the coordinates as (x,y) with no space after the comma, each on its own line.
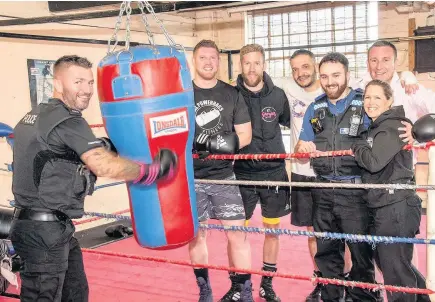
(239,292)
(266,290)
(315,295)
(205,292)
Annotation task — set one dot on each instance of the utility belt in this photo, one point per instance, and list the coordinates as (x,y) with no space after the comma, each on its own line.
(356,180)
(28,214)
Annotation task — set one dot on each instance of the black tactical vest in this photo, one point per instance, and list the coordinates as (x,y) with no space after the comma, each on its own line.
(335,136)
(43,179)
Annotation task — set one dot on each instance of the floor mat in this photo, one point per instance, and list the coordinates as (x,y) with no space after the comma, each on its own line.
(95,237)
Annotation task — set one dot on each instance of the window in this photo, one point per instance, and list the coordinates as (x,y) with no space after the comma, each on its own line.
(319,27)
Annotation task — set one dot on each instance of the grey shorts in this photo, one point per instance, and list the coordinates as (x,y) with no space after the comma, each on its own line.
(222,202)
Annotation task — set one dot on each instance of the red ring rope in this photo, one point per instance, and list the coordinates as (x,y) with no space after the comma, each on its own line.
(390,288)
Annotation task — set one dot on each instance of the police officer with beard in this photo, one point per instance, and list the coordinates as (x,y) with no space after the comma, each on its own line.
(56,161)
(333,122)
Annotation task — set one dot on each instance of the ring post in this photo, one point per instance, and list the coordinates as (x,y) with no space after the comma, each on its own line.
(430,227)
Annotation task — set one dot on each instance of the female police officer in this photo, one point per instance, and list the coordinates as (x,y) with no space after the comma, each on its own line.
(394,212)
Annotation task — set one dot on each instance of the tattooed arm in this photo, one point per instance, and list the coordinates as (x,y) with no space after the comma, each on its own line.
(104,163)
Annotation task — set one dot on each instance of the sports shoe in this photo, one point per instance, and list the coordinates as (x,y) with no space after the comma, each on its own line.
(239,292)
(315,295)
(205,292)
(266,290)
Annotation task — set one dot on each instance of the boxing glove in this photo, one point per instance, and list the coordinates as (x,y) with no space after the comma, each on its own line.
(220,143)
(108,144)
(162,167)
(423,129)
(119,231)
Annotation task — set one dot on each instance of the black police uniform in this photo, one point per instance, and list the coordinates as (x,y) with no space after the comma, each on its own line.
(394,212)
(269,108)
(340,210)
(50,184)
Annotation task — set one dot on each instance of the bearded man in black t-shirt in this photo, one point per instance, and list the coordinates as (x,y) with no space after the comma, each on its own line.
(223,125)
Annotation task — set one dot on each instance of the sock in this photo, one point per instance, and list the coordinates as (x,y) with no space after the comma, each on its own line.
(239,278)
(201,272)
(268,267)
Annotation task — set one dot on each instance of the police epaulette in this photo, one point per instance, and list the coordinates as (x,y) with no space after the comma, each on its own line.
(320,97)
(359,91)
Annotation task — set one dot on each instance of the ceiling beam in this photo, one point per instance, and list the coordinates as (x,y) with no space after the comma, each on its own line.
(158,8)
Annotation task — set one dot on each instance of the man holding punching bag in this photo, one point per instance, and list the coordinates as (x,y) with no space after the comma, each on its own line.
(223,125)
(56,161)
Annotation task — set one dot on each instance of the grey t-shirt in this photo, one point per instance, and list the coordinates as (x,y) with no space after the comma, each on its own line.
(217,110)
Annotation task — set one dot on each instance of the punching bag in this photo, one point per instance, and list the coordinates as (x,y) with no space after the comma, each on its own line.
(146,100)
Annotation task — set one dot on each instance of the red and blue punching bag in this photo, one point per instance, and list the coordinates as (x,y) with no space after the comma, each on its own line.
(146,100)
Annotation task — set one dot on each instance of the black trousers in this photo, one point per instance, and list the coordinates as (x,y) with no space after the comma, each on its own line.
(52,261)
(343,211)
(400,219)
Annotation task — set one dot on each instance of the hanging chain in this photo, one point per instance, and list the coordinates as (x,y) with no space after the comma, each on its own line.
(117,26)
(126,7)
(145,21)
(150,9)
(127,27)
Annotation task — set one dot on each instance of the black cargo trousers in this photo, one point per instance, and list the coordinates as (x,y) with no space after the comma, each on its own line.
(343,211)
(52,261)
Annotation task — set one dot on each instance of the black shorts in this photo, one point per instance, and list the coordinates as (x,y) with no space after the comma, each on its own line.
(275,201)
(302,202)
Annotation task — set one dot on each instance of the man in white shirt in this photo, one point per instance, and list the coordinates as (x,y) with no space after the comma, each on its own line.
(381,64)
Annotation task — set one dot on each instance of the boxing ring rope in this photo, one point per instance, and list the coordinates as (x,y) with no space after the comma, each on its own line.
(324,235)
(429,241)
(372,286)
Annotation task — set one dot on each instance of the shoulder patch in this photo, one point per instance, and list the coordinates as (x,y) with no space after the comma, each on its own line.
(320,105)
(356,103)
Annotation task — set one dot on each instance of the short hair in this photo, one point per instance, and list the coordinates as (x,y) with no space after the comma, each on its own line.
(388,91)
(382,43)
(252,48)
(335,57)
(205,43)
(71,60)
(301,52)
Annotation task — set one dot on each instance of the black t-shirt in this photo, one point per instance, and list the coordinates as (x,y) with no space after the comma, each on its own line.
(74,134)
(217,109)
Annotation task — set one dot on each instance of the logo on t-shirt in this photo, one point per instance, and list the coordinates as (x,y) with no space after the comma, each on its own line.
(268,114)
(168,124)
(208,116)
(298,108)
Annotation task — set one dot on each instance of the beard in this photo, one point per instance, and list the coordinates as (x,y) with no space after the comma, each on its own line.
(206,75)
(335,94)
(77,101)
(310,83)
(254,82)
